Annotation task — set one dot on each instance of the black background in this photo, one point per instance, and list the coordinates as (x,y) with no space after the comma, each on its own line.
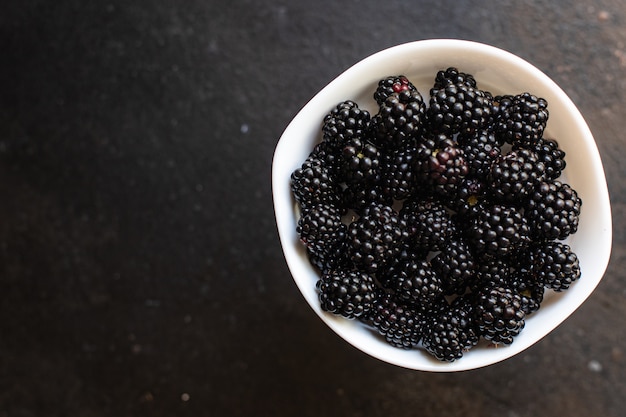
(140,268)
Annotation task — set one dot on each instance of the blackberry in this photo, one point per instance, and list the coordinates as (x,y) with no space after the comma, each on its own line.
(358,196)
(530,290)
(522,119)
(428,223)
(347,293)
(475,243)
(360,161)
(329,156)
(514,175)
(400,118)
(458,108)
(440,164)
(548,153)
(499,232)
(447,168)
(502,274)
(400,323)
(416,282)
(480,150)
(375,237)
(426,148)
(397,171)
(329,260)
(469,199)
(346,121)
(553,211)
(500,104)
(455,265)
(407,260)
(450,332)
(555,265)
(490,273)
(453,76)
(390,85)
(312,184)
(323,234)
(499,314)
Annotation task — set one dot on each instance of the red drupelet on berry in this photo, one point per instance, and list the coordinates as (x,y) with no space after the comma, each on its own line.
(475,242)
(447,168)
(400,119)
(390,85)
(440,165)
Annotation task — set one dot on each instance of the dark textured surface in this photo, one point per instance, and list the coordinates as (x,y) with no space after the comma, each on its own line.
(140,269)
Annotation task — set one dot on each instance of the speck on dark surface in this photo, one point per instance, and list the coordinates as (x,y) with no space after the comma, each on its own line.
(140,268)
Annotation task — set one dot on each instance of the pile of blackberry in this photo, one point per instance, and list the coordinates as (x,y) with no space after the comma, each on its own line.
(438,221)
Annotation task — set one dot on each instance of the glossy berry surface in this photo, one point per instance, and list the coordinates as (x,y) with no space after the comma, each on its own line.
(437,224)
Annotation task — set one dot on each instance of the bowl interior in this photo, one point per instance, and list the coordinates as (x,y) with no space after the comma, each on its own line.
(500,73)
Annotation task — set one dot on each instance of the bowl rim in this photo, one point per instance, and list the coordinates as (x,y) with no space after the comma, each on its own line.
(318,104)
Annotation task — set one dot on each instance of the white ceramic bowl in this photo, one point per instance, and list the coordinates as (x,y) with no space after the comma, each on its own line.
(499,72)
